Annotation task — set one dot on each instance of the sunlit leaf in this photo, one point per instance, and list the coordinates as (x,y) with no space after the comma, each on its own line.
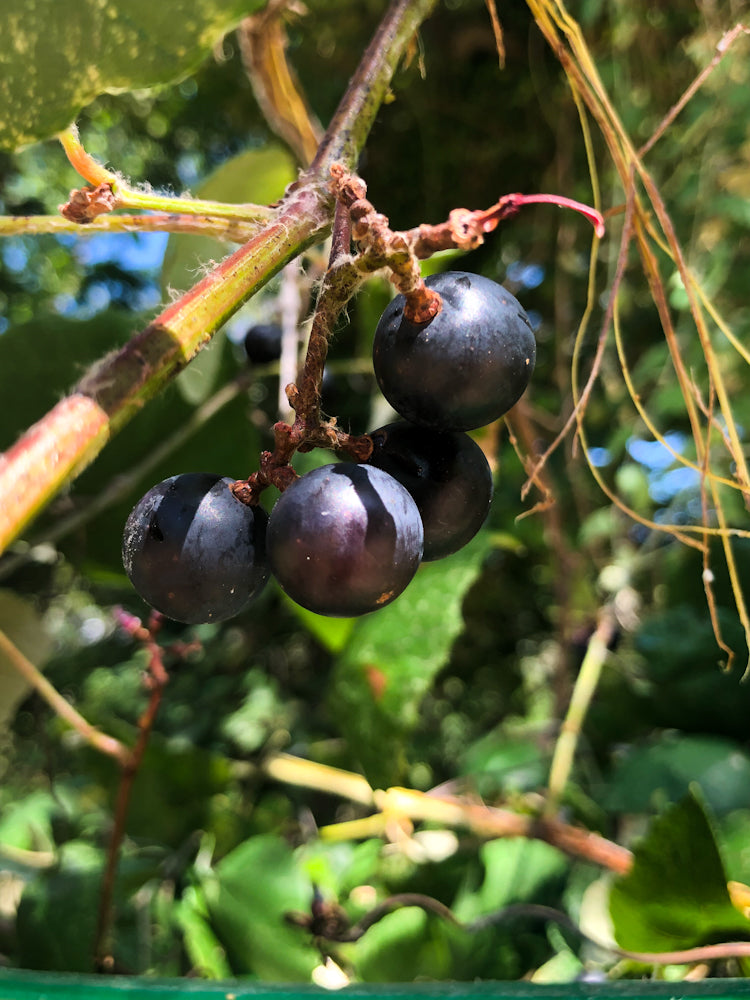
(393,657)
(58,55)
(675,896)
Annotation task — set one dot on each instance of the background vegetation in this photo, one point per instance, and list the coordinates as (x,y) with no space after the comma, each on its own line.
(612,574)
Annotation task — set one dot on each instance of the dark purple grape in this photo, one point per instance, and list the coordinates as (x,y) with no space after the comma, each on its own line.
(193,551)
(344,540)
(465,367)
(263,343)
(447,475)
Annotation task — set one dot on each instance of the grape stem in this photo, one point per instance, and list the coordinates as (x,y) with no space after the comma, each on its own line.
(155,680)
(356,219)
(309,430)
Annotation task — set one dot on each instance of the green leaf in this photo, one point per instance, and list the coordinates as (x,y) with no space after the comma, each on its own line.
(204,949)
(675,896)
(405,945)
(255,175)
(247,896)
(502,763)
(23,625)
(393,657)
(27,823)
(515,871)
(61,54)
(58,912)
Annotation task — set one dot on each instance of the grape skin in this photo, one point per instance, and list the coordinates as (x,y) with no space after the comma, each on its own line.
(447,475)
(344,540)
(193,551)
(465,367)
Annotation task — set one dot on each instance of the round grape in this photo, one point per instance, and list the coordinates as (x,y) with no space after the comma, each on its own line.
(193,551)
(447,475)
(465,367)
(262,343)
(344,539)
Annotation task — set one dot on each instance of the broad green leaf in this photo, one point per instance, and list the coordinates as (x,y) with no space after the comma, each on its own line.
(247,896)
(654,775)
(393,657)
(256,175)
(22,624)
(499,762)
(515,871)
(675,896)
(58,55)
(27,823)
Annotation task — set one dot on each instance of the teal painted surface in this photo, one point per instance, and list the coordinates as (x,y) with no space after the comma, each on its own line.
(19,985)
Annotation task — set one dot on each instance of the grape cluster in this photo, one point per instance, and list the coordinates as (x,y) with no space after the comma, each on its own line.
(347,538)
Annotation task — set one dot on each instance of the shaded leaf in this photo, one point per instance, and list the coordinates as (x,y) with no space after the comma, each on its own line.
(255,175)
(675,895)
(515,871)
(405,945)
(59,54)
(42,359)
(201,944)
(247,895)
(651,776)
(58,912)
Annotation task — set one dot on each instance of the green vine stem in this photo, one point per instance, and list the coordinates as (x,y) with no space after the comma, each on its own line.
(583,693)
(123,484)
(231,230)
(125,196)
(70,436)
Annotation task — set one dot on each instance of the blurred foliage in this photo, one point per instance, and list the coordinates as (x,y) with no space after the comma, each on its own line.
(463,682)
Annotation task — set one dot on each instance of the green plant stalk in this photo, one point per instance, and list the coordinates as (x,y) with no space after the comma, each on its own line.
(127,197)
(70,436)
(583,693)
(232,230)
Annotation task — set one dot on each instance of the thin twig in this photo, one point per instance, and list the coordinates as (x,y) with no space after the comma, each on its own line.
(62,708)
(328,921)
(724,44)
(156,681)
(395,805)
